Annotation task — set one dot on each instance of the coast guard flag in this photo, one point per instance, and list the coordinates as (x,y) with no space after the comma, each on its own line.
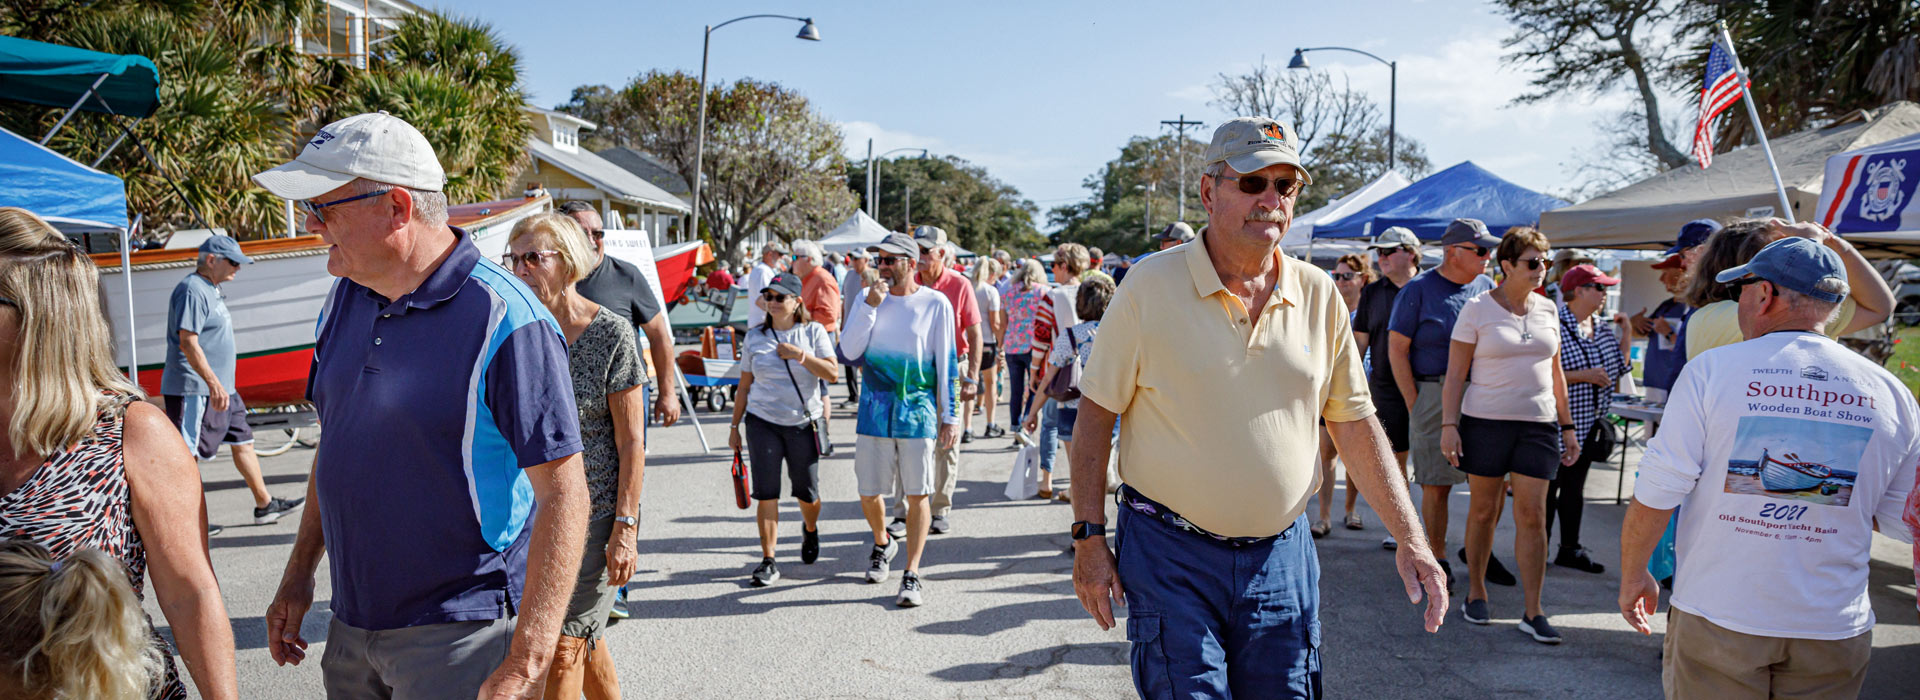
(1721,88)
(1871,190)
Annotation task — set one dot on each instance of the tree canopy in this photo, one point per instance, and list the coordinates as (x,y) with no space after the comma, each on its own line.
(978,211)
(771,161)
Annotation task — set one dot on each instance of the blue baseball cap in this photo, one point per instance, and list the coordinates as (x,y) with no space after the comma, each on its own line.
(1694,233)
(226,247)
(1795,263)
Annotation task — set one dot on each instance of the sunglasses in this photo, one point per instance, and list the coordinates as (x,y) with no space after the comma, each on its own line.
(531,258)
(1531,263)
(314,208)
(1739,286)
(890,259)
(1345,276)
(9,302)
(1256,184)
(1478,251)
(774,297)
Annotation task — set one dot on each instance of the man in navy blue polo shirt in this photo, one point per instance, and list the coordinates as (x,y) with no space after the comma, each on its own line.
(444,389)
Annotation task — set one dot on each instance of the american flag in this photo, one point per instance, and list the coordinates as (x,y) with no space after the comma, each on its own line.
(1720,88)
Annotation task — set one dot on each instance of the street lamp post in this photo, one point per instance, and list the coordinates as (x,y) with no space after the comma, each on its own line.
(807,32)
(1393,89)
(873,177)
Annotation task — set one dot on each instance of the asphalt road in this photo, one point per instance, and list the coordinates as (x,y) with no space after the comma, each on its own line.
(1000,618)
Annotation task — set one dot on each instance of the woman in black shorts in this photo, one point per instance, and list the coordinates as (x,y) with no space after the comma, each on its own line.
(778,403)
(1505,416)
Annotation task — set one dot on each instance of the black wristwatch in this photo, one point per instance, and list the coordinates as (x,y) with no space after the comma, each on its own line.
(1564,427)
(1083,530)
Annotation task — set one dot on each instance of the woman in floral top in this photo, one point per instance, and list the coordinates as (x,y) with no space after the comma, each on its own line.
(1027,290)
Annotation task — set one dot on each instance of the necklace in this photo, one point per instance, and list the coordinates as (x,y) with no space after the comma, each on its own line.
(1526,329)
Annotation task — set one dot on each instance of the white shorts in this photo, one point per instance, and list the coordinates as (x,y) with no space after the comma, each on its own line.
(880,464)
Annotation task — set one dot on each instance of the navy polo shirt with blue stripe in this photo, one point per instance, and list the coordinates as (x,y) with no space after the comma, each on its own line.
(433,404)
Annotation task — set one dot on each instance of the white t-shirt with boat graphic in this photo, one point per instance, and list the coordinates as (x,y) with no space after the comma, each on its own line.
(1781,451)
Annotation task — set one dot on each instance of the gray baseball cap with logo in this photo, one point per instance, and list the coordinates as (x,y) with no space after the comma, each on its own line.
(1176,231)
(1248,144)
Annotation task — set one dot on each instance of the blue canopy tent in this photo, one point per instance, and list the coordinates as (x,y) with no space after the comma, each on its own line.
(77,79)
(36,179)
(1427,206)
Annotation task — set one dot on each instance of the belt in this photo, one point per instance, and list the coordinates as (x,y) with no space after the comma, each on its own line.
(1127,497)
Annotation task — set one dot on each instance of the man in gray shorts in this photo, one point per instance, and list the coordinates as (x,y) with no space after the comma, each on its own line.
(1420,334)
(905,333)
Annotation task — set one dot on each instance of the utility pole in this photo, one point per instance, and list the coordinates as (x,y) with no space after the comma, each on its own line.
(1180,151)
(871,211)
(909,214)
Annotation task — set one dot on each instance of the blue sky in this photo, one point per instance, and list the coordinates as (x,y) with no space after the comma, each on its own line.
(1043,93)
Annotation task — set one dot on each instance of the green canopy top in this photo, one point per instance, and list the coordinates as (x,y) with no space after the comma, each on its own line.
(58,76)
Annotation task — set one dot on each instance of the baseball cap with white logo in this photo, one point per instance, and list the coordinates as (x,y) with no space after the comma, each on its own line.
(377,146)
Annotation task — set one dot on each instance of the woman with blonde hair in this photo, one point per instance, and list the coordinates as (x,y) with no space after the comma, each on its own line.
(1026,291)
(72,629)
(84,463)
(994,316)
(1350,274)
(550,253)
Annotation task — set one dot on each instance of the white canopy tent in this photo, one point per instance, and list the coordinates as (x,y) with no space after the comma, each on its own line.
(857,233)
(1649,213)
(1300,234)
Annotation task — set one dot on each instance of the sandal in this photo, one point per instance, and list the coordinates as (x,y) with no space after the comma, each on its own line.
(1320,529)
(1353,522)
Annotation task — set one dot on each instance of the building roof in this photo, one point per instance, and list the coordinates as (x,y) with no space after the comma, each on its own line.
(650,167)
(605,176)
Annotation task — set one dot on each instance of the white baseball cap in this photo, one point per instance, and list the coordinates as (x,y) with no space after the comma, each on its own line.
(377,146)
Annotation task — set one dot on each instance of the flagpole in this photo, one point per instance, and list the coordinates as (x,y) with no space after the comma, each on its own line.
(1753,113)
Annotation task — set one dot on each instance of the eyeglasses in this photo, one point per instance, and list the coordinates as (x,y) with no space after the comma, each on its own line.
(531,258)
(597,233)
(1345,276)
(314,208)
(889,259)
(1739,286)
(1478,251)
(1256,184)
(1531,263)
(774,297)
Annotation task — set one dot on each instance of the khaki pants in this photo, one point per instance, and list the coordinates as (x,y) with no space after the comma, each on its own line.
(946,472)
(1705,660)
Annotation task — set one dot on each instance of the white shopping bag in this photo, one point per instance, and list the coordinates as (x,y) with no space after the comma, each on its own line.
(1023,482)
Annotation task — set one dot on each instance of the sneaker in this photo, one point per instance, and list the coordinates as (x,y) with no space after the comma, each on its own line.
(993,431)
(1389,543)
(909,590)
(1023,439)
(766,573)
(1579,559)
(880,562)
(966,437)
(897,528)
(275,509)
(1497,573)
(939,526)
(1474,611)
(1539,629)
(1448,570)
(215,530)
(809,545)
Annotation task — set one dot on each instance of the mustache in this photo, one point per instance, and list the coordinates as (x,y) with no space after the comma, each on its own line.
(1272,217)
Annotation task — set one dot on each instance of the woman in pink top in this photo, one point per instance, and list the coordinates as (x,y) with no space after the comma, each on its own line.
(1505,392)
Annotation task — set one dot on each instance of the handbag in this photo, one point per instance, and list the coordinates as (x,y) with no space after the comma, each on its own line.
(1023,482)
(1601,440)
(739,481)
(1066,381)
(820,447)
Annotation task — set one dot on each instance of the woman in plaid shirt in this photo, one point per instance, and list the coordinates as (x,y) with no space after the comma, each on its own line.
(1591,357)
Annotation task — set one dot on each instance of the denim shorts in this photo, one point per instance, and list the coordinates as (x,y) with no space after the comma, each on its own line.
(1212,619)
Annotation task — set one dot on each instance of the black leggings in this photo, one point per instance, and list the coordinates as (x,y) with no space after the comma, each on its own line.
(768,445)
(1566,498)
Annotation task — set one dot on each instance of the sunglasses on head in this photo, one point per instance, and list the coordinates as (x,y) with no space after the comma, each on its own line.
(314,208)
(773,296)
(1256,184)
(1345,276)
(1478,250)
(531,257)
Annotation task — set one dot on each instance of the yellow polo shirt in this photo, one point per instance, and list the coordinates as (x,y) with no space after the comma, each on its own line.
(1218,408)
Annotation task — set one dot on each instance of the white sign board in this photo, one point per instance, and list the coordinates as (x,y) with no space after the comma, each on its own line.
(634,246)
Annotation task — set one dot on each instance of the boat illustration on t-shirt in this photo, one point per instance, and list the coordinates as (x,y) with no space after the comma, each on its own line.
(1791,474)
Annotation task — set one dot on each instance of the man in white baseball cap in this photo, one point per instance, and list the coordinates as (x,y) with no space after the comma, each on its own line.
(451,491)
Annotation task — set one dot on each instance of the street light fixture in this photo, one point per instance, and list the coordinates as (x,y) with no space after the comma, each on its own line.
(808,32)
(1393,89)
(873,179)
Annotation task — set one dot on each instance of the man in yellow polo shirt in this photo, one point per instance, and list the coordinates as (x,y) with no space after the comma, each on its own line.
(1220,356)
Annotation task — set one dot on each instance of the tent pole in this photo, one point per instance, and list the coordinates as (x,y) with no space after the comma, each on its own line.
(110,149)
(74,108)
(126,278)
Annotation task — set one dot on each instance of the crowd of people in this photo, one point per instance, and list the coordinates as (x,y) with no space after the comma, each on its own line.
(507,430)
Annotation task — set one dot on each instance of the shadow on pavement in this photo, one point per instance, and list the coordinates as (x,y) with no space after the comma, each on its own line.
(1038,661)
